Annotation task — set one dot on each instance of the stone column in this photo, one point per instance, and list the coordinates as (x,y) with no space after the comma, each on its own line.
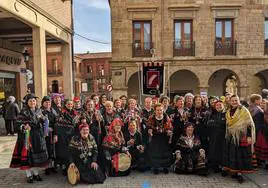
(67,70)
(40,62)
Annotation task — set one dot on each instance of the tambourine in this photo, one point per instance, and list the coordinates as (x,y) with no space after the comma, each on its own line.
(73,175)
(122,162)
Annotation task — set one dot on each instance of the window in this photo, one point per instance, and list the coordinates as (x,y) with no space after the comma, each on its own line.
(224,42)
(142,39)
(54,66)
(89,69)
(266,36)
(183,42)
(80,67)
(101,70)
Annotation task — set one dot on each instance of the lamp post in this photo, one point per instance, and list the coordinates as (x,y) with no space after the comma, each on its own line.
(26,56)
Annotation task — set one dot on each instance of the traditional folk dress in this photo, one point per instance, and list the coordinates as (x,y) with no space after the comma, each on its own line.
(50,114)
(216,126)
(113,145)
(145,114)
(237,156)
(159,150)
(97,128)
(261,147)
(30,149)
(65,126)
(178,119)
(191,161)
(198,118)
(83,153)
(137,157)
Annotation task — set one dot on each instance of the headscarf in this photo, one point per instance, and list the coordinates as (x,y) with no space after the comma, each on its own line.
(238,124)
(11,99)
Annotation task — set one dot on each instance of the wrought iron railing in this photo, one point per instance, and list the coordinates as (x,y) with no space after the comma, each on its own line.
(183,48)
(227,47)
(142,49)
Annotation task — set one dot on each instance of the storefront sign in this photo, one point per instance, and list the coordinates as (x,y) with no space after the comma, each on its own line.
(10,60)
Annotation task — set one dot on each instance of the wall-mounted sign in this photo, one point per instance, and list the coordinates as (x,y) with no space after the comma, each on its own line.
(84,87)
(10,60)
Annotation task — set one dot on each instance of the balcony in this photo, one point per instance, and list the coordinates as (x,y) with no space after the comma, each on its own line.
(225,48)
(54,73)
(266,47)
(183,48)
(142,49)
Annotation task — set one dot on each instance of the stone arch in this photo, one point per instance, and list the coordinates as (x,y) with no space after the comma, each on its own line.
(259,81)
(133,88)
(183,81)
(223,80)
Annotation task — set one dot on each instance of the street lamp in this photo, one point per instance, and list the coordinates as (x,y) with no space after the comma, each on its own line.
(26,56)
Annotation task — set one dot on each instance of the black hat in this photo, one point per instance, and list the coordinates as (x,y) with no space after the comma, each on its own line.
(29,96)
(45,98)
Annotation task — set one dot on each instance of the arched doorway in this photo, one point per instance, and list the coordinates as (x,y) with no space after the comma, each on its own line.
(259,81)
(223,80)
(133,86)
(182,82)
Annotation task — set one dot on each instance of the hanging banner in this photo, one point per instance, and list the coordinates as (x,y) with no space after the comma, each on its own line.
(153,78)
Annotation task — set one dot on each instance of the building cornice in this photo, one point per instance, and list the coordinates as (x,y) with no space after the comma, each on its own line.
(184,7)
(225,6)
(142,9)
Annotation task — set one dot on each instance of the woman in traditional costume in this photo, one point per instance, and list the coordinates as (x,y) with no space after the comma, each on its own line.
(30,150)
(261,147)
(109,114)
(198,115)
(65,126)
(239,142)
(159,149)
(135,146)
(84,154)
(178,119)
(95,120)
(190,157)
(216,127)
(114,146)
(50,133)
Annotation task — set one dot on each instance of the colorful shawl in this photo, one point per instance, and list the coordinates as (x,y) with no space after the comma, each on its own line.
(238,124)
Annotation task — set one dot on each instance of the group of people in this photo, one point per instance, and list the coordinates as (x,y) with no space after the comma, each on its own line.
(102,138)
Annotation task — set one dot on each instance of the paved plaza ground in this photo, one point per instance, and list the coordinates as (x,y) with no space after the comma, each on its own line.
(16,178)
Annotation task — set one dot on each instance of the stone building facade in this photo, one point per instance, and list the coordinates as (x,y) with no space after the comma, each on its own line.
(206,46)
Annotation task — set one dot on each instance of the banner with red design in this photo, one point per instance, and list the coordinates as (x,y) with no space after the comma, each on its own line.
(153,78)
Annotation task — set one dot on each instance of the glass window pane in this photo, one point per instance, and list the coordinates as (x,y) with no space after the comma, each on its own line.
(147,35)
(266,30)
(218,30)
(187,31)
(137,32)
(177,31)
(228,30)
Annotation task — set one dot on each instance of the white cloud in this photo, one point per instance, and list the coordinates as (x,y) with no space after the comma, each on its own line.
(98,4)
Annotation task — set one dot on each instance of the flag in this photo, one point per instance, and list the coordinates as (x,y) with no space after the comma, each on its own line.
(153,78)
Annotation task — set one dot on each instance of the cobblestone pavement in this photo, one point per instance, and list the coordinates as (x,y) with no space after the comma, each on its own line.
(16,178)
